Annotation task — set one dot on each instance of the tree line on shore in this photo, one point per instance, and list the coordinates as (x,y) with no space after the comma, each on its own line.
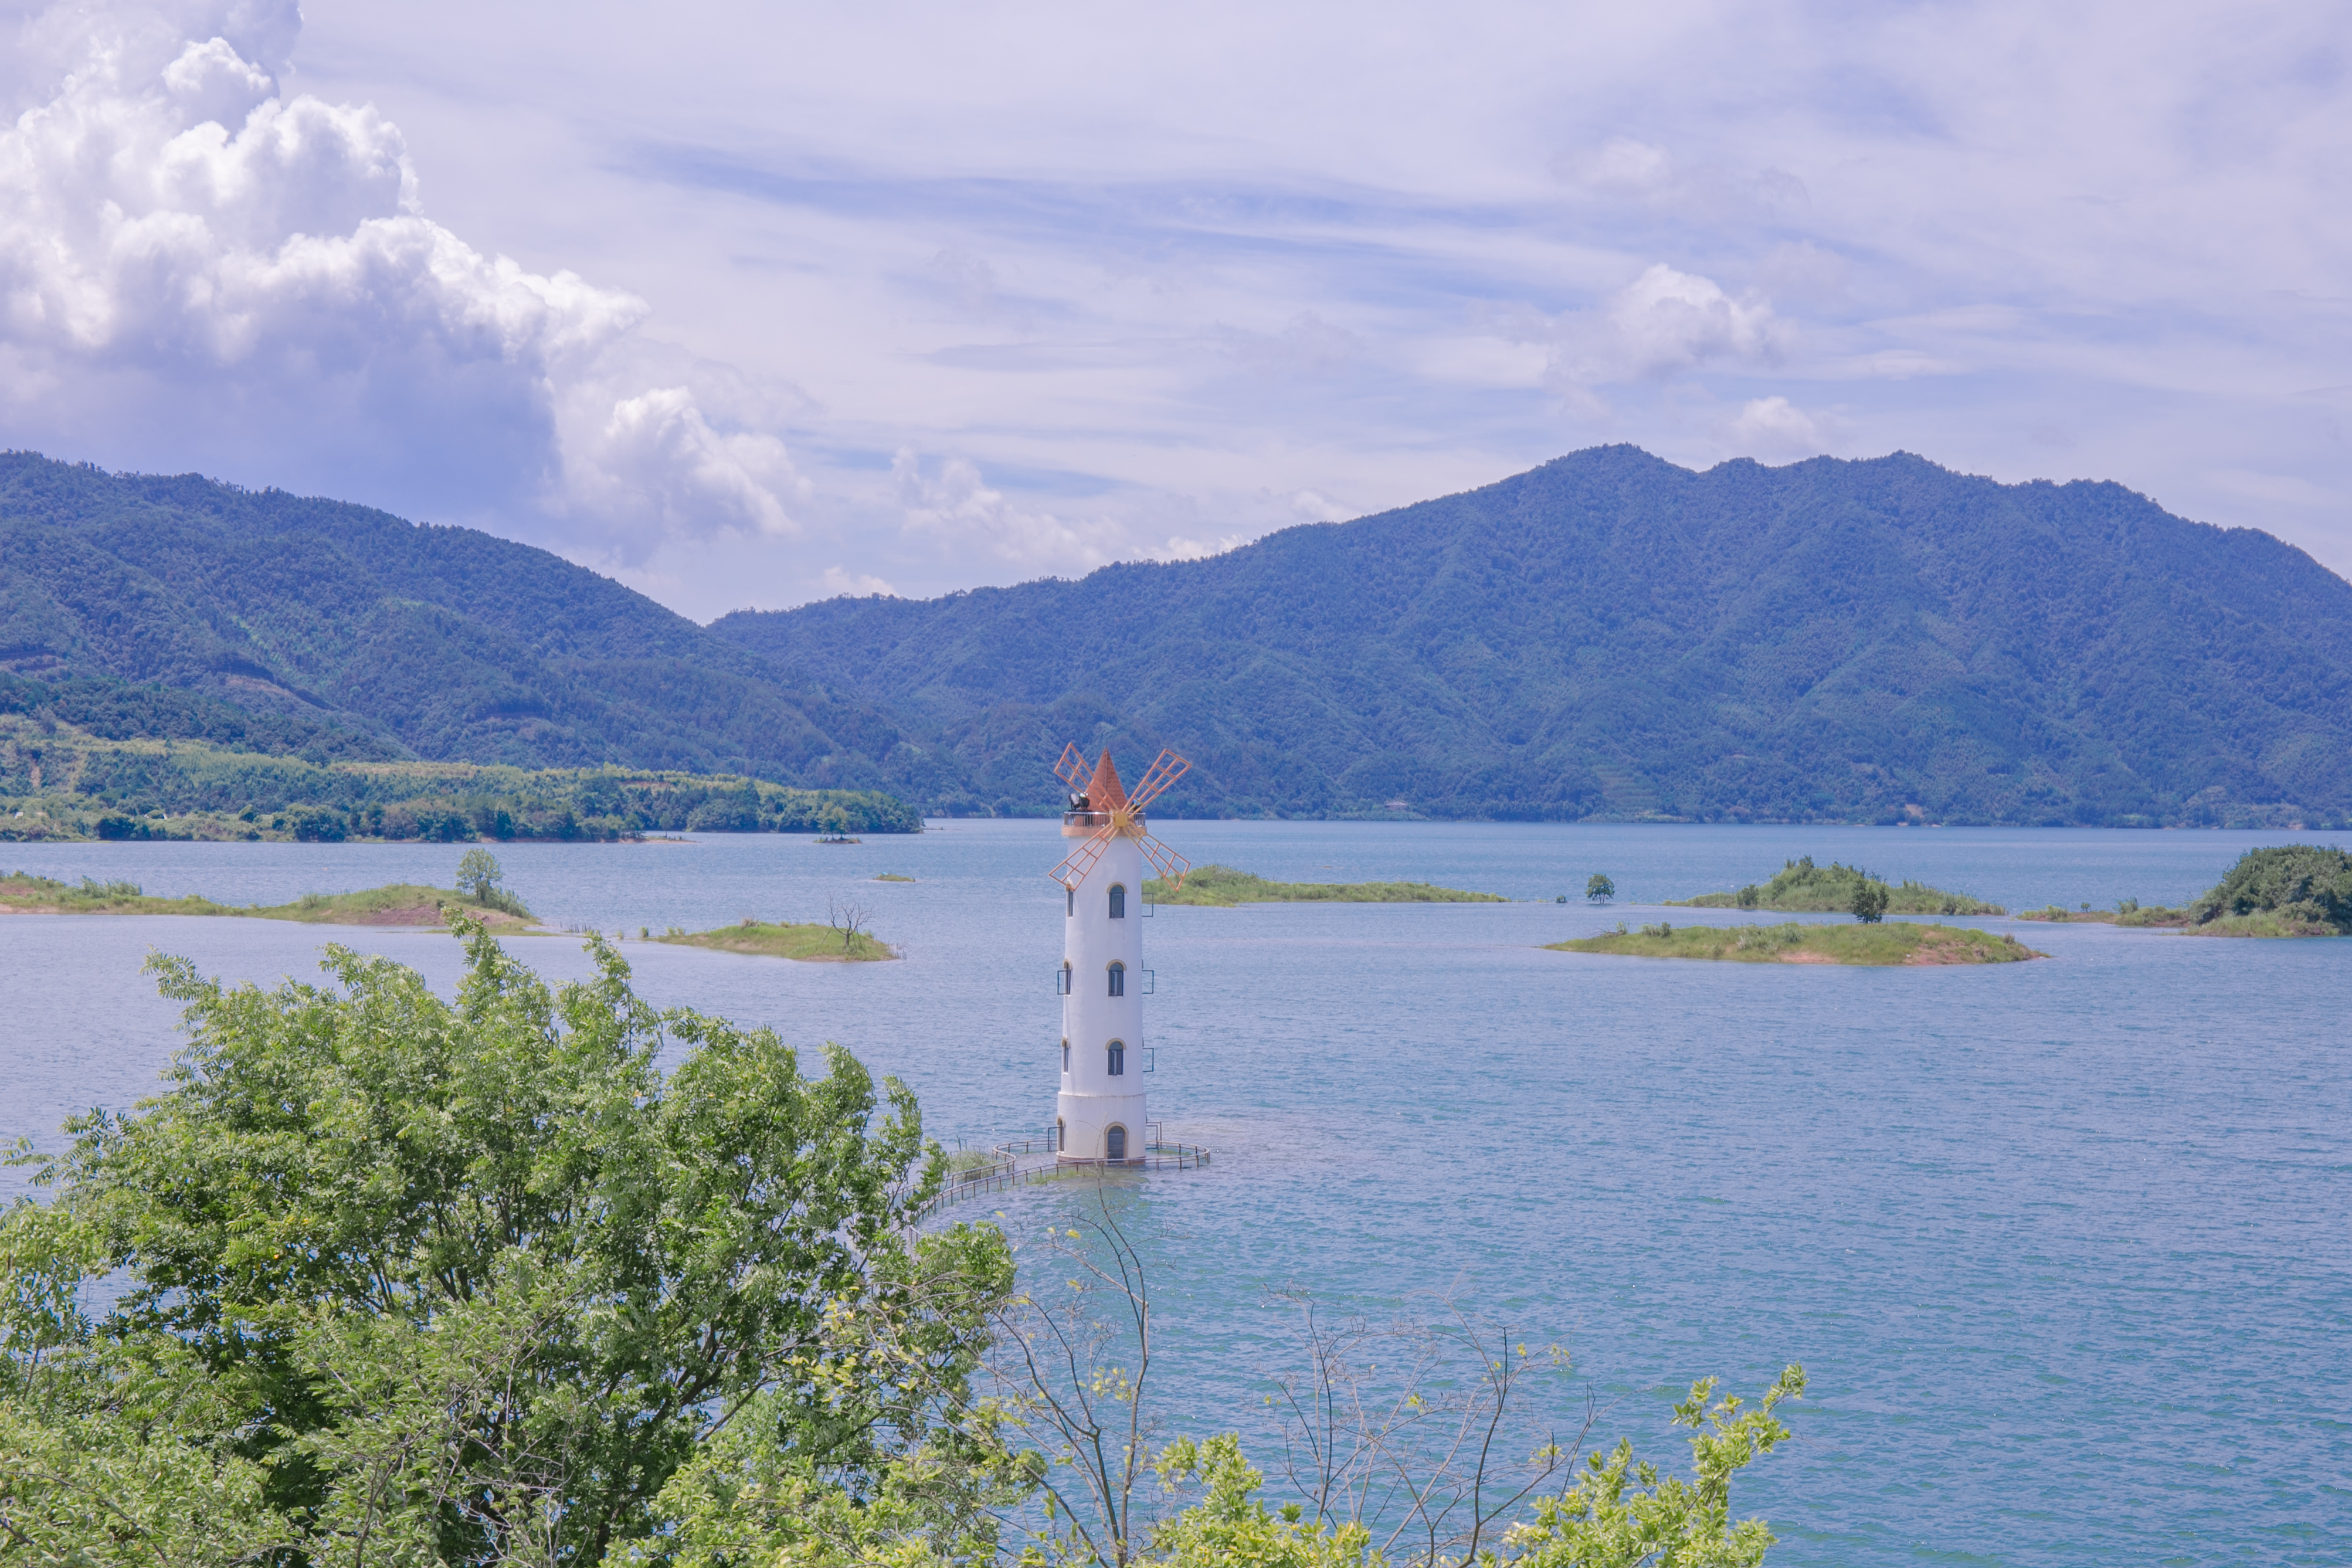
(66,784)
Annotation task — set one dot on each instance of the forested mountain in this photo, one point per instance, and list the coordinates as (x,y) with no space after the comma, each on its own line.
(1610,635)
(1606,636)
(441,643)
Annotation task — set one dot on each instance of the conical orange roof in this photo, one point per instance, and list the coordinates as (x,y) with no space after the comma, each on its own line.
(1104,792)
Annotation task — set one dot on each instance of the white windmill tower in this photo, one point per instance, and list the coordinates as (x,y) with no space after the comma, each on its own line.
(1099,1114)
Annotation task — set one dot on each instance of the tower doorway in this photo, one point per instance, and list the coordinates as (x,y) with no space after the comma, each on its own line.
(1115,1142)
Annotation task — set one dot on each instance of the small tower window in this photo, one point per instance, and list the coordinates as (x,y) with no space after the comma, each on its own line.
(1119,1058)
(1070,898)
(1061,1135)
(1066,1056)
(1118,979)
(1118,901)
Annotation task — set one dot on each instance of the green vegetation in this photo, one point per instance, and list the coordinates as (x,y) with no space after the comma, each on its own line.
(61,782)
(1794,941)
(399,904)
(1799,886)
(2302,886)
(479,874)
(392,1280)
(117,711)
(1613,638)
(1599,890)
(415,1281)
(891,876)
(810,941)
(444,644)
(1222,887)
(1882,641)
(2287,889)
(2129,912)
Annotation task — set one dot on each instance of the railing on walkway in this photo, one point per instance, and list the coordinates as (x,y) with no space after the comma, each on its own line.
(1005,1172)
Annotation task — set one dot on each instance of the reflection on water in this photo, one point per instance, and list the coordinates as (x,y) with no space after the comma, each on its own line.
(2065,1246)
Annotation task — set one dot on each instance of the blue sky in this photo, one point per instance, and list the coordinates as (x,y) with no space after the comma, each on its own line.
(751,305)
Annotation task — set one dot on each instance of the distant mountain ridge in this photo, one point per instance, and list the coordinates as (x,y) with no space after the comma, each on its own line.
(441,643)
(1611,635)
(1608,636)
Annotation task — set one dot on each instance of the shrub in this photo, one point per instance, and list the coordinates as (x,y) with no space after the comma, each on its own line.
(2296,881)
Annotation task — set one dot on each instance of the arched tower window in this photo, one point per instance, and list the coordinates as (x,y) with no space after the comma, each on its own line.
(1119,1058)
(1061,1135)
(1066,1056)
(1118,901)
(1118,979)
(1115,1142)
(1070,900)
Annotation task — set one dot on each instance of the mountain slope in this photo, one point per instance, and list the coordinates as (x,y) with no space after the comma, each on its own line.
(446,643)
(1610,635)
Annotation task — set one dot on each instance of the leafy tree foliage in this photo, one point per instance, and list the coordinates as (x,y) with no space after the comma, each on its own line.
(1599,888)
(2303,883)
(1799,886)
(467,1282)
(478,874)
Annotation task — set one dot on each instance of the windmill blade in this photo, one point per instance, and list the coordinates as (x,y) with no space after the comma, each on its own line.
(1072,769)
(1074,868)
(1170,866)
(1165,770)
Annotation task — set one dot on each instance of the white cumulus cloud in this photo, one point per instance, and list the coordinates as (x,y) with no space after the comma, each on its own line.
(188,249)
(1776,427)
(836,584)
(954,504)
(1664,322)
(1661,324)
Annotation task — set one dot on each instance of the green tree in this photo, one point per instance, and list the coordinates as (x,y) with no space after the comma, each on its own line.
(1869,904)
(1602,1522)
(2303,882)
(479,875)
(1600,889)
(469,1282)
(1229,1527)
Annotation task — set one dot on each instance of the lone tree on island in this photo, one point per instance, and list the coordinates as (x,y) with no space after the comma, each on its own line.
(1600,890)
(479,874)
(1869,901)
(850,918)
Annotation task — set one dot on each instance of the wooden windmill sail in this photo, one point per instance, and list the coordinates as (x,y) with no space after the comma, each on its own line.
(1102,802)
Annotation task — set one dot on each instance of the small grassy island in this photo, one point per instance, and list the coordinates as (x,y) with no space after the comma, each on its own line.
(1221,887)
(891,876)
(399,904)
(1802,887)
(810,942)
(1794,941)
(2288,889)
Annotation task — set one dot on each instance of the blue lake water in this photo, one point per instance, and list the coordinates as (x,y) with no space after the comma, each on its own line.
(2065,1246)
